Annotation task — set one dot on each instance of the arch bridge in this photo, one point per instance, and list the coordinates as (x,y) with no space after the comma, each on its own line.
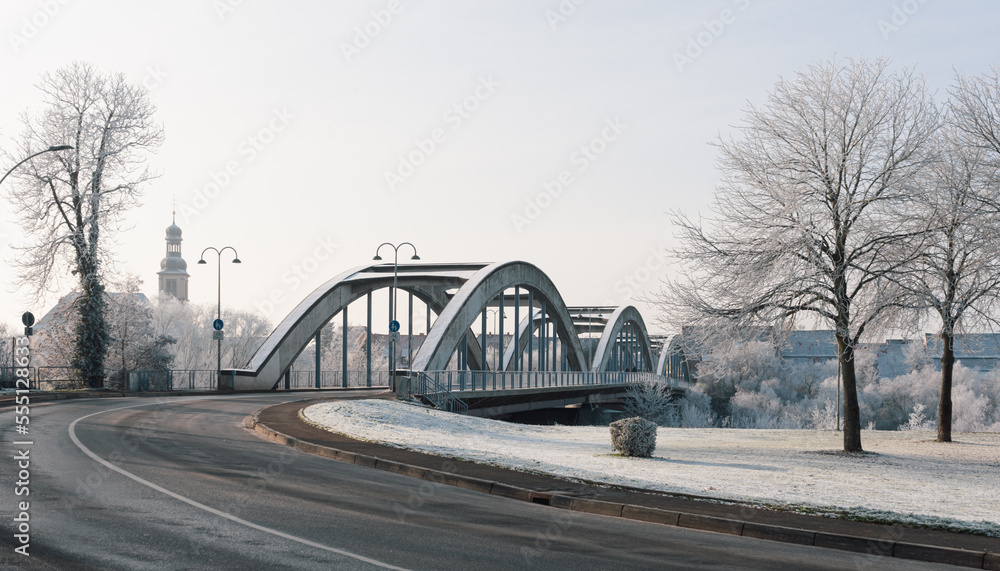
(553,347)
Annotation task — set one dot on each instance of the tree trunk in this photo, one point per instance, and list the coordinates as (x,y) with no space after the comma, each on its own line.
(852,412)
(944,405)
(91,334)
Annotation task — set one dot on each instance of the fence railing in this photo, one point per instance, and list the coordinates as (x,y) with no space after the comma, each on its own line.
(8,376)
(334,379)
(173,380)
(506,380)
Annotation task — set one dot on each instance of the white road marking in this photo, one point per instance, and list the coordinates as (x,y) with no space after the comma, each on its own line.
(201,506)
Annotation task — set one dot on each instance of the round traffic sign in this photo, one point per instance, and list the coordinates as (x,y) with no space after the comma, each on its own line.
(217,325)
(393,326)
(28,319)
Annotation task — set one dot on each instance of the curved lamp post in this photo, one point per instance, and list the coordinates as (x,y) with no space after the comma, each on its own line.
(236,260)
(48,150)
(4,177)
(392,302)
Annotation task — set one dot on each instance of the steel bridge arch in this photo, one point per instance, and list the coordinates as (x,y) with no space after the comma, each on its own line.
(458,294)
(290,337)
(475,296)
(624,315)
(525,329)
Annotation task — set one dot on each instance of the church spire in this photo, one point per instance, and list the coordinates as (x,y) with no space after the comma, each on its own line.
(173,269)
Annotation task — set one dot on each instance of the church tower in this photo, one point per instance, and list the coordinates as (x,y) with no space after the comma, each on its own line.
(173,269)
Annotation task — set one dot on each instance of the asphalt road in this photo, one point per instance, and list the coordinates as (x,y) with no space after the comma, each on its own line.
(179,483)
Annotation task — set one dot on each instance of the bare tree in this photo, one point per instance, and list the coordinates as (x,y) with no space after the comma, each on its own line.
(129,322)
(69,202)
(134,345)
(189,326)
(958,273)
(6,356)
(809,218)
(245,333)
(976,109)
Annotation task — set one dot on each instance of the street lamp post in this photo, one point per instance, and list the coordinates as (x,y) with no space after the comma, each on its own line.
(392,301)
(218,336)
(496,328)
(590,326)
(52,148)
(496,314)
(48,150)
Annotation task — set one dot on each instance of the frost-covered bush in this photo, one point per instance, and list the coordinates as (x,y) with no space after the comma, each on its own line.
(804,395)
(695,409)
(734,366)
(975,401)
(762,409)
(633,437)
(917,420)
(652,400)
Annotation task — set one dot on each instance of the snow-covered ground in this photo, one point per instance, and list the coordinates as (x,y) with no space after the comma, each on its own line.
(909,477)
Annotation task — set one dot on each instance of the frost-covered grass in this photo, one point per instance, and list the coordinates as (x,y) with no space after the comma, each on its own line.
(905,477)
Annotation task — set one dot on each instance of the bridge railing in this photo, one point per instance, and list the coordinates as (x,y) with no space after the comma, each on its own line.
(508,380)
(334,379)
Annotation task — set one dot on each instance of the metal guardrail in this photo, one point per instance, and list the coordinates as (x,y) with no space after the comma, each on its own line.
(436,394)
(508,380)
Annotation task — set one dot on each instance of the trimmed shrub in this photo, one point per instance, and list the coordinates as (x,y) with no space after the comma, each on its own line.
(633,437)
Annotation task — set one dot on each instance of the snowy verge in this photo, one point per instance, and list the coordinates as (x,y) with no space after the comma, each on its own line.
(905,478)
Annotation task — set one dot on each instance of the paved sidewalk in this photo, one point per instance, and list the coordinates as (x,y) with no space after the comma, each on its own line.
(282,423)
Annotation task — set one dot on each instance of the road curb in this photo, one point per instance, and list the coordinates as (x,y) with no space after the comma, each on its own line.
(701,522)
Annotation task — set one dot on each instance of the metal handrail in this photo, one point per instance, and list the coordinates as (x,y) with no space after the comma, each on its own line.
(438,395)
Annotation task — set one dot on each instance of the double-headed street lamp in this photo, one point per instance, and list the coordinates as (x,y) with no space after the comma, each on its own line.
(48,150)
(392,302)
(496,316)
(590,323)
(218,322)
(496,328)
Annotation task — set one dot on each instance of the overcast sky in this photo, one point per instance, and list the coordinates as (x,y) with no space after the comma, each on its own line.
(313,106)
